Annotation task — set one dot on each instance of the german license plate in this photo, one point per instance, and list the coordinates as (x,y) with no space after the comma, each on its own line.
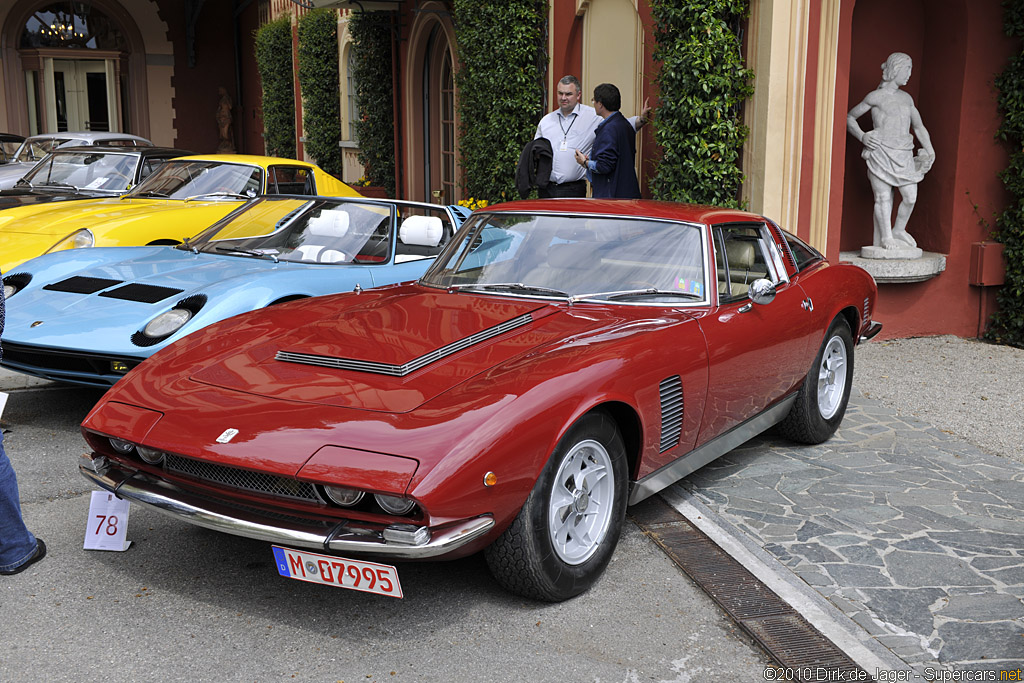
(358,575)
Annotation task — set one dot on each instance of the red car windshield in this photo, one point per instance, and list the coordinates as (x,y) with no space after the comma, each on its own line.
(604,257)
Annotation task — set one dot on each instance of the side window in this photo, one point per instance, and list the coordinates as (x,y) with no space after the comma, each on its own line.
(150,164)
(804,254)
(290,180)
(423,231)
(739,259)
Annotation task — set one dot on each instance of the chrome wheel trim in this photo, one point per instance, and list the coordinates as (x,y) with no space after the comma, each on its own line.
(581,501)
(832,377)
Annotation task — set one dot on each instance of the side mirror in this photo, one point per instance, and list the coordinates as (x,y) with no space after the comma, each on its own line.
(762,291)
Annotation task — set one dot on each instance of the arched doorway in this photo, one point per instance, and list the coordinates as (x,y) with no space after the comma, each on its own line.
(432,152)
(72,65)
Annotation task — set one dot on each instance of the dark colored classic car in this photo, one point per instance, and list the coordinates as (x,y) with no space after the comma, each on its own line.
(69,173)
(560,360)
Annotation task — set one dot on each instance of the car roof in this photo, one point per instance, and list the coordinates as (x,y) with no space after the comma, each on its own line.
(121,149)
(638,208)
(90,136)
(248,159)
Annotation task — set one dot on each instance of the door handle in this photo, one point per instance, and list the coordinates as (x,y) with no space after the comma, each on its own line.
(807,304)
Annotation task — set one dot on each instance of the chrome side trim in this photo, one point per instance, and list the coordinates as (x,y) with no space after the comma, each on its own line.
(413,365)
(720,445)
(343,536)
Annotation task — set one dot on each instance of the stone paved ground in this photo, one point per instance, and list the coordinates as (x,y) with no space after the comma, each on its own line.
(915,534)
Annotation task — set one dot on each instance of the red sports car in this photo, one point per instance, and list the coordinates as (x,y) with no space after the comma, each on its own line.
(561,359)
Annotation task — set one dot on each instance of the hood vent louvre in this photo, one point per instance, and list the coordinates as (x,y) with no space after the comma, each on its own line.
(413,365)
(671,392)
(147,294)
(82,285)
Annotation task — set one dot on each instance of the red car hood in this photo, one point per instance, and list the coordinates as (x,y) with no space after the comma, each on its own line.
(388,352)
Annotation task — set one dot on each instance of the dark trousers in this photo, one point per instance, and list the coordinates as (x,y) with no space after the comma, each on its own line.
(576,188)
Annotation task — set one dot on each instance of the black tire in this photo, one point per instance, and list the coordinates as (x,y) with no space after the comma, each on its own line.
(819,410)
(524,559)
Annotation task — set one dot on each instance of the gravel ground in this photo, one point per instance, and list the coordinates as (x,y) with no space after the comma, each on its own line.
(972,389)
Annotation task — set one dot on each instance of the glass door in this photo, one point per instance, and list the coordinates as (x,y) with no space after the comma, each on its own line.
(81,94)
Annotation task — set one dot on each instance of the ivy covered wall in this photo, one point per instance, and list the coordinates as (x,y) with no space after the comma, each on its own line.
(318,78)
(703,83)
(1008,323)
(274,60)
(372,71)
(500,89)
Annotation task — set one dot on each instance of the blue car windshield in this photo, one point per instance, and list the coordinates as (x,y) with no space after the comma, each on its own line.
(320,230)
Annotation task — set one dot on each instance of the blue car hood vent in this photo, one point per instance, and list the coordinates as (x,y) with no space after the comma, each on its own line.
(147,294)
(406,368)
(82,285)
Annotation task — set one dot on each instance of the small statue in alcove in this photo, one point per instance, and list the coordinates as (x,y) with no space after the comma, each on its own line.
(889,153)
(225,144)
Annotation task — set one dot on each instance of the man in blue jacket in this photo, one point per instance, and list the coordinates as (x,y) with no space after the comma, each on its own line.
(610,165)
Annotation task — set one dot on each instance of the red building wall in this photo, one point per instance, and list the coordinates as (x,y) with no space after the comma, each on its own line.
(958,48)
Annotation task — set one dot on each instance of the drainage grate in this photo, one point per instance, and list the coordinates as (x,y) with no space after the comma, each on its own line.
(778,628)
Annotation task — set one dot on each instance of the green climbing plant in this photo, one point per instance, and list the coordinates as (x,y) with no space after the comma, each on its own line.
(318,78)
(274,61)
(703,82)
(501,95)
(372,73)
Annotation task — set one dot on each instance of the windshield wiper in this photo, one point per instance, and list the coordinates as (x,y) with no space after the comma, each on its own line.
(61,186)
(236,195)
(150,193)
(247,252)
(513,287)
(637,293)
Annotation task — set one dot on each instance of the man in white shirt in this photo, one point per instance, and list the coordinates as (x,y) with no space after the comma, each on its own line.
(569,128)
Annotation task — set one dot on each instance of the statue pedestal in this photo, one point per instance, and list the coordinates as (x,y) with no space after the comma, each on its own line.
(896,270)
(902,253)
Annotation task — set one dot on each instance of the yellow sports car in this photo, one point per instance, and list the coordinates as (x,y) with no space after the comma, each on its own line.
(181,199)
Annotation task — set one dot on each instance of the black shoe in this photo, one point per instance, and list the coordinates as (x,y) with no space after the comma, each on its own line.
(39,554)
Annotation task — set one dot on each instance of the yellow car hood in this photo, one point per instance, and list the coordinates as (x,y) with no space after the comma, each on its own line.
(28,231)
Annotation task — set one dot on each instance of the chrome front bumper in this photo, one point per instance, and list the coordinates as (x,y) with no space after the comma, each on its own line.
(341,536)
(870,331)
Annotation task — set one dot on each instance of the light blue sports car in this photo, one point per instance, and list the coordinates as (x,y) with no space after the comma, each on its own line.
(88,316)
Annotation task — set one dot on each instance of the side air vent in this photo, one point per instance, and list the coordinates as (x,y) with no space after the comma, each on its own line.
(82,285)
(413,365)
(671,391)
(146,294)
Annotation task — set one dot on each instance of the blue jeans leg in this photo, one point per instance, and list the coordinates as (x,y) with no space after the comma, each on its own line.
(17,544)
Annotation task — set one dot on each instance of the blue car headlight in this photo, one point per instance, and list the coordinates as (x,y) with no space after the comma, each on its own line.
(167,323)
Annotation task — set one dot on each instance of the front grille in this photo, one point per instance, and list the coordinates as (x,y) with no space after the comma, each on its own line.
(407,368)
(82,285)
(248,480)
(62,361)
(147,294)
(671,393)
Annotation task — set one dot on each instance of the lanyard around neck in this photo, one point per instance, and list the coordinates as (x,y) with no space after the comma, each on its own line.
(565,131)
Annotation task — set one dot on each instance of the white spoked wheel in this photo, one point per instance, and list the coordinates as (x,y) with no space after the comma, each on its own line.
(832,378)
(566,532)
(821,401)
(580,508)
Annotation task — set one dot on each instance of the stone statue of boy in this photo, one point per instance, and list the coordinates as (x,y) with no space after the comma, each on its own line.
(889,153)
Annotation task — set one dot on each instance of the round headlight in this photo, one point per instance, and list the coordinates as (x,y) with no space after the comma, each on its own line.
(394,505)
(79,239)
(9,291)
(167,323)
(343,497)
(121,446)
(150,455)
